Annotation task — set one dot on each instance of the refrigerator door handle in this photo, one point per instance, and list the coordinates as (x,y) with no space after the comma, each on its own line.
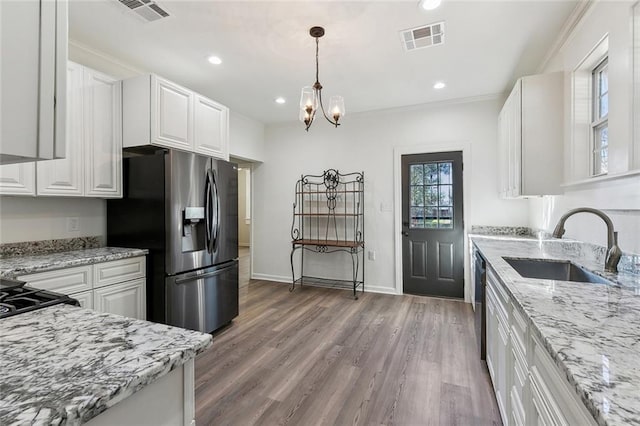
(196,277)
(216,222)
(207,211)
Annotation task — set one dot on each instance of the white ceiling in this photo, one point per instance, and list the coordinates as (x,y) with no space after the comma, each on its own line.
(267,51)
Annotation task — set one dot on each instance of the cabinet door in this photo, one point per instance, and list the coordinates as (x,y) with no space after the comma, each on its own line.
(171,115)
(85,298)
(18,179)
(126,299)
(515,141)
(491,328)
(503,152)
(102,135)
(34,40)
(65,177)
(211,128)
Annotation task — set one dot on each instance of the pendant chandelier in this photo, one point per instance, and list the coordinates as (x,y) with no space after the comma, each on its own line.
(312,95)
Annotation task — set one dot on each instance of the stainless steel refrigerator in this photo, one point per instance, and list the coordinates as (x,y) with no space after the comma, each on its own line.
(183,207)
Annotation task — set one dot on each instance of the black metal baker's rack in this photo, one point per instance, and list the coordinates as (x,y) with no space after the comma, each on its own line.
(328,217)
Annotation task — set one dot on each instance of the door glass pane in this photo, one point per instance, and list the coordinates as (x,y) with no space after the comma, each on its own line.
(417,198)
(417,217)
(416,174)
(446,217)
(431,195)
(445,173)
(431,217)
(446,195)
(431,173)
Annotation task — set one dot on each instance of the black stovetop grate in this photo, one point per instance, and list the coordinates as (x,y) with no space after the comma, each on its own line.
(16,298)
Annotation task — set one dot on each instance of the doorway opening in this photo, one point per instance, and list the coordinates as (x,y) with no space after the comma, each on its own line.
(432,224)
(244,223)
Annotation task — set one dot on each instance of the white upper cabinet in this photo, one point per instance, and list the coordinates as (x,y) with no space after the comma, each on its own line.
(18,179)
(157,112)
(211,128)
(32,80)
(65,176)
(531,132)
(171,114)
(92,166)
(102,117)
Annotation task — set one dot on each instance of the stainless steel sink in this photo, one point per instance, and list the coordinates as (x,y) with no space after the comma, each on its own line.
(554,270)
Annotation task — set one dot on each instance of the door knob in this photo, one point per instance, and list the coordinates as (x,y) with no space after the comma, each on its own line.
(405,233)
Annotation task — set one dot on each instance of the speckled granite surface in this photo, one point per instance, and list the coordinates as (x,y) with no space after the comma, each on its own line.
(500,230)
(66,365)
(592,331)
(29,248)
(21,265)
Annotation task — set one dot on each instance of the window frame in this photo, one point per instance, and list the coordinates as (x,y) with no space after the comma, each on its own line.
(598,122)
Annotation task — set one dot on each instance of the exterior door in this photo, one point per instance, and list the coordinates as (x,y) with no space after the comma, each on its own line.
(432,226)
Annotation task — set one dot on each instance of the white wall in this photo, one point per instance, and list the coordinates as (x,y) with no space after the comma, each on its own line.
(620,198)
(244,190)
(34,219)
(365,142)
(246,138)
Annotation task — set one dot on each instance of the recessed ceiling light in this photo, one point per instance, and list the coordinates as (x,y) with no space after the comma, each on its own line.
(215,60)
(429,4)
(280,100)
(439,85)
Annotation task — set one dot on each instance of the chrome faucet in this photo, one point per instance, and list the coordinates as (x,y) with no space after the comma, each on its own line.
(613,251)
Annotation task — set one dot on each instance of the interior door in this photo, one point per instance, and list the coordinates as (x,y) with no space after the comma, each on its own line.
(432,226)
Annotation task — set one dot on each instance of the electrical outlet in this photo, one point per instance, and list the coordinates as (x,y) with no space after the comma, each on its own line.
(73,224)
(372,255)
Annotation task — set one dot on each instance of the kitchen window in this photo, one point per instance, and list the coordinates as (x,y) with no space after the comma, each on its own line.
(600,119)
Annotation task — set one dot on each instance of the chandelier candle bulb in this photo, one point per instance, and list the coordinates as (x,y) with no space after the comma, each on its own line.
(336,106)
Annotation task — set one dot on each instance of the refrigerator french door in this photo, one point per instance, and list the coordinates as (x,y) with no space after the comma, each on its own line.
(183,208)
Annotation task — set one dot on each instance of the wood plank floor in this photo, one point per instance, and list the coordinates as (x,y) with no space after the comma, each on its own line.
(316,356)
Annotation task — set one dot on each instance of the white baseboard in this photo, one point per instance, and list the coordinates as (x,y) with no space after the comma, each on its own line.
(267,277)
(287,280)
(379,289)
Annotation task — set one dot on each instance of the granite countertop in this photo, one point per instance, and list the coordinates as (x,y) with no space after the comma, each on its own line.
(66,365)
(592,331)
(20,265)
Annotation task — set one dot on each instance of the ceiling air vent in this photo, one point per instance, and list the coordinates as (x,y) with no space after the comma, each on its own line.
(147,9)
(424,36)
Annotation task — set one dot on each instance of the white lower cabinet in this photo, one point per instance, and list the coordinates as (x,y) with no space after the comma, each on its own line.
(529,388)
(85,299)
(122,293)
(126,299)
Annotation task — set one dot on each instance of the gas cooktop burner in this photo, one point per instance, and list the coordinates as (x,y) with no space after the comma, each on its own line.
(16,298)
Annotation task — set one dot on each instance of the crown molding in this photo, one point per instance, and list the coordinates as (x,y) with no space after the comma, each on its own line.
(100,54)
(568,28)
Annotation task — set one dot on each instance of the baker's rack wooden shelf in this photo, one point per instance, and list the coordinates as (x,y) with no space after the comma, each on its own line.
(328,217)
